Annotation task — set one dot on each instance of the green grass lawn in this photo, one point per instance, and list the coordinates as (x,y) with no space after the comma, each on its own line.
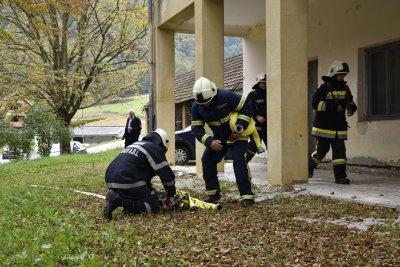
(58,227)
(122,108)
(113,114)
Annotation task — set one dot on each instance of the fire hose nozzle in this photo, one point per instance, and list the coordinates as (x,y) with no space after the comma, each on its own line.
(238,129)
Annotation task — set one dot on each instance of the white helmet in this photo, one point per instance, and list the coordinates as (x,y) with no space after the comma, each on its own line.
(164,137)
(204,90)
(338,67)
(261,77)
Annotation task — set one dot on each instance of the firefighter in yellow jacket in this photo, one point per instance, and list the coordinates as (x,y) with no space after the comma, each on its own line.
(332,102)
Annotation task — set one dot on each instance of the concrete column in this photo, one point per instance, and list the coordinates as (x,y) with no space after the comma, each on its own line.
(253,56)
(164,89)
(286,35)
(209,36)
(184,116)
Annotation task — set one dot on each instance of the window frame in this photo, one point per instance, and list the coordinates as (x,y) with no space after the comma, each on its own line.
(368,53)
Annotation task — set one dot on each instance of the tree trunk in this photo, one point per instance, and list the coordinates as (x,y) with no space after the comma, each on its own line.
(65,147)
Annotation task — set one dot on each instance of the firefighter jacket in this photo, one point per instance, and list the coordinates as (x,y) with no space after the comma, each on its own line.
(330,122)
(217,116)
(258,98)
(136,165)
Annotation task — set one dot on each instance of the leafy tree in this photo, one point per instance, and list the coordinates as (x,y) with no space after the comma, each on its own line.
(185,50)
(46,128)
(18,141)
(233,46)
(72,54)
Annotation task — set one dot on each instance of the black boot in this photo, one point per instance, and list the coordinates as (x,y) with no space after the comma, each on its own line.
(247,203)
(213,198)
(260,150)
(343,180)
(311,166)
(113,201)
(310,172)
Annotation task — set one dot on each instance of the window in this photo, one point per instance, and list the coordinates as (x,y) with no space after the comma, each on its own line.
(383,82)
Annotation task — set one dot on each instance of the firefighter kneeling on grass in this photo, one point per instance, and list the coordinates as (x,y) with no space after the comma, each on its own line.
(214,107)
(129,175)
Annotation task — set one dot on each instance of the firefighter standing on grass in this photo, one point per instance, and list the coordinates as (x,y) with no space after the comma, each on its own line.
(214,106)
(332,101)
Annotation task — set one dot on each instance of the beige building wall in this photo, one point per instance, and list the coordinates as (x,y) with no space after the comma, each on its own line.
(342,33)
(253,56)
(337,30)
(172,13)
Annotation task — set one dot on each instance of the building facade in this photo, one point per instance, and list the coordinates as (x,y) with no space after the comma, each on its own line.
(294,42)
(233,80)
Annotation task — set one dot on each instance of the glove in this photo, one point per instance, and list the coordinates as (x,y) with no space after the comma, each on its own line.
(169,202)
(233,136)
(237,131)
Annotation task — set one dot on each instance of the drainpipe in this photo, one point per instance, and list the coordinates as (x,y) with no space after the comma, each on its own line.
(150,116)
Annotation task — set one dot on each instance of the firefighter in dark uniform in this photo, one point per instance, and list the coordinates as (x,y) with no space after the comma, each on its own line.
(129,175)
(332,102)
(258,99)
(213,106)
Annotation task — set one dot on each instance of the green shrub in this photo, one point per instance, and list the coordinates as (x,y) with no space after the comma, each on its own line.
(18,141)
(46,128)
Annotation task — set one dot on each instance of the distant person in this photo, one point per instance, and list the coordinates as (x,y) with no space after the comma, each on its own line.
(129,176)
(258,100)
(132,129)
(332,101)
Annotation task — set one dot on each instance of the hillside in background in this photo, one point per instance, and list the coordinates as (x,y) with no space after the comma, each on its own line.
(185,51)
(113,114)
(185,57)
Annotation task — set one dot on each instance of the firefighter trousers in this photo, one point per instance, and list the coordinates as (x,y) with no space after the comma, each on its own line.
(252,147)
(242,173)
(338,156)
(138,200)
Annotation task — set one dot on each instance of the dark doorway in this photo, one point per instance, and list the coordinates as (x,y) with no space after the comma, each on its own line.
(312,87)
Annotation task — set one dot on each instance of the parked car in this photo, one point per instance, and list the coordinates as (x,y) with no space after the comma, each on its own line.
(185,146)
(78,147)
(8,154)
(75,146)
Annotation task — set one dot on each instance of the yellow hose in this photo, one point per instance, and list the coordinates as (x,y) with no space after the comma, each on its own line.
(193,204)
(250,130)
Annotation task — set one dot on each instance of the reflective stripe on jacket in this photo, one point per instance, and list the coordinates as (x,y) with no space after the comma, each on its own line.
(329,122)
(137,164)
(217,116)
